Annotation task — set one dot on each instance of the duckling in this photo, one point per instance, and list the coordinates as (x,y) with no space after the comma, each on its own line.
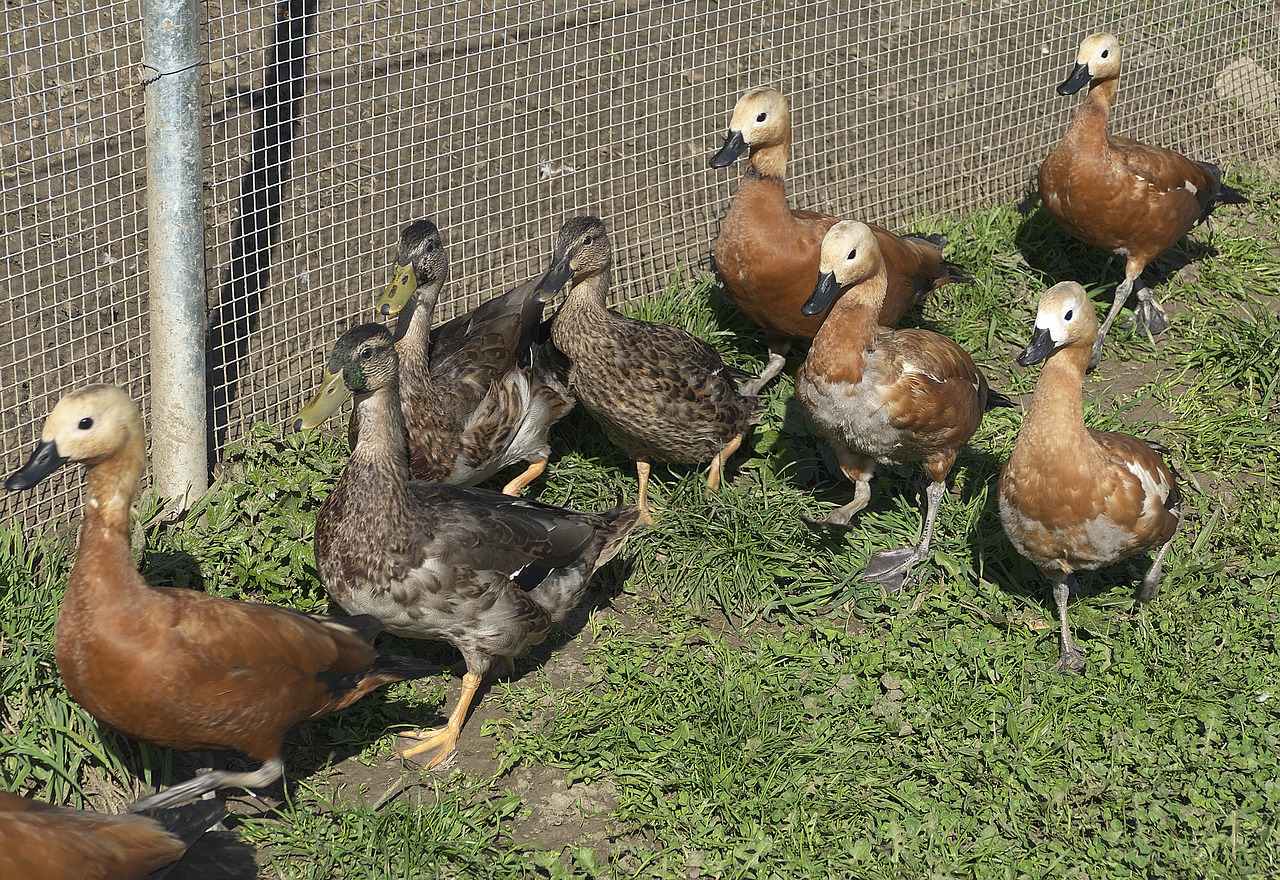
(1071,497)
(877,394)
(1130,199)
(767,253)
(40,841)
(659,393)
(485,572)
(479,393)
(179,668)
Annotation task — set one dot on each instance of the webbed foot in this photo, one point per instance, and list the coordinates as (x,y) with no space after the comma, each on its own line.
(1070,660)
(1149,319)
(890,568)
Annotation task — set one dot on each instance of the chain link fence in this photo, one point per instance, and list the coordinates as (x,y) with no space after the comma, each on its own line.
(329,126)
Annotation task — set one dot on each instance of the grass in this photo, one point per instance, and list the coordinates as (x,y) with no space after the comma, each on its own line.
(756,710)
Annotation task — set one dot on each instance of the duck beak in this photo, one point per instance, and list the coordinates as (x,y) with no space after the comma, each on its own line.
(557,276)
(44,461)
(1078,79)
(734,146)
(333,391)
(404,283)
(824,294)
(1039,348)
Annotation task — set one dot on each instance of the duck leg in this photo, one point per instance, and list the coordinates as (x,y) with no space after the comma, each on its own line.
(642,474)
(859,469)
(1151,580)
(211,780)
(1071,655)
(716,476)
(531,473)
(889,568)
(443,740)
(1121,297)
(778,348)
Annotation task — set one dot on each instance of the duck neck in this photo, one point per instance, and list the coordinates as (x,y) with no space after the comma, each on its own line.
(413,349)
(1090,122)
(104,560)
(1056,416)
(380,460)
(846,333)
(770,161)
(584,304)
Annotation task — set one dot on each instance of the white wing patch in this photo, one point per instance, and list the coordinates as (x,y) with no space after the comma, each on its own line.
(1154,486)
(909,369)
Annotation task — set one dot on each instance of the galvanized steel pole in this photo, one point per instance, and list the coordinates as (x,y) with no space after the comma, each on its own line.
(175,241)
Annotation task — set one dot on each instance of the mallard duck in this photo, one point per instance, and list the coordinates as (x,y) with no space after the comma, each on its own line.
(479,395)
(40,841)
(659,393)
(878,394)
(1130,199)
(767,253)
(1071,497)
(180,668)
(485,572)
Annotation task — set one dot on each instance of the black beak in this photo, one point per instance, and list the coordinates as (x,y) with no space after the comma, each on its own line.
(557,276)
(734,146)
(44,461)
(1078,79)
(1039,348)
(824,294)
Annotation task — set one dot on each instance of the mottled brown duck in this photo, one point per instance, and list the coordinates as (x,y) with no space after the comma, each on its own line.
(1132,200)
(485,572)
(41,841)
(767,253)
(660,393)
(882,395)
(1072,497)
(180,668)
(481,392)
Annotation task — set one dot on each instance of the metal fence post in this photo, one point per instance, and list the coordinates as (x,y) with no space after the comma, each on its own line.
(175,241)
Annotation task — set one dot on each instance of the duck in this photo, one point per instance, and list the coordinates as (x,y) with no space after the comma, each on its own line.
(877,394)
(1132,200)
(766,253)
(1072,497)
(174,667)
(660,393)
(41,841)
(480,393)
(487,573)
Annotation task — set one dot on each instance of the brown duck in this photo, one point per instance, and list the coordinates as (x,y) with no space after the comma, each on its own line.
(485,572)
(180,668)
(1071,497)
(883,395)
(1130,199)
(660,393)
(767,253)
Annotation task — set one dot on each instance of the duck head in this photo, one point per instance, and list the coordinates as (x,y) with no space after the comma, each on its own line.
(582,249)
(1098,59)
(363,360)
(850,255)
(761,118)
(1065,317)
(421,267)
(88,425)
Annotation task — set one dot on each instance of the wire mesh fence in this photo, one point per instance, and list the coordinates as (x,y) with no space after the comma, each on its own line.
(328,127)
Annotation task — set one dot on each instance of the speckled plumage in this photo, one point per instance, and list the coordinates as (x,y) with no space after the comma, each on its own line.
(1072,497)
(767,253)
(659,393)
(482,393)
(484,572)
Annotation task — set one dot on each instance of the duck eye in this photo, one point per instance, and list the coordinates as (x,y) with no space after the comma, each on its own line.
(1068,315)
(1106,52)
(366,353)
(588,239)
(853,254)
(85,424)
(762,117)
